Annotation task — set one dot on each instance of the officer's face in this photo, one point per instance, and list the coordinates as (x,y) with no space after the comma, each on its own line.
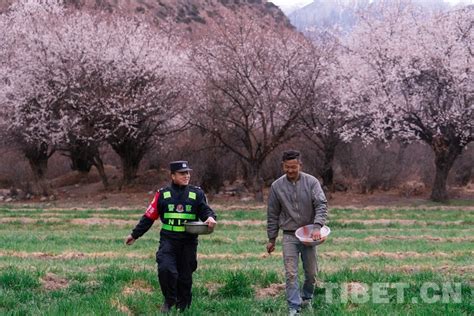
(181,178)
(292,169)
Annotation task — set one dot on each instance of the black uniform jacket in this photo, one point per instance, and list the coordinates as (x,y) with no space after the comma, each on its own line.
(175,205)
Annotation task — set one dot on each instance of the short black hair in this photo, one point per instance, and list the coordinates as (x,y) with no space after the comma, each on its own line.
(290,155)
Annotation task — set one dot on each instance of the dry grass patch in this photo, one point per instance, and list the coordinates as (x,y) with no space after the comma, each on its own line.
(225,256)
(406,222)
(423,207)
(393,255)
(69,255)
(52,282)
(102,221)
(122,308)
(408,229)
(246,222)
(356,288)
(271,291)
(459,270)
(377,239)
(411,268)
(76,221)
(137,286)
(212,287)
(236,207)
(345,255)
(229,256)
(27,220)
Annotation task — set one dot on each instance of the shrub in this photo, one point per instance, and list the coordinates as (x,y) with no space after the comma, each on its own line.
(14,279)
(237,284)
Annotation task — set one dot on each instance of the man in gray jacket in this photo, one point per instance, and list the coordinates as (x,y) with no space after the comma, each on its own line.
(296,199)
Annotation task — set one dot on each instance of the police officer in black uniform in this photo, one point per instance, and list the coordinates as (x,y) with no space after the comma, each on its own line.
(176,256)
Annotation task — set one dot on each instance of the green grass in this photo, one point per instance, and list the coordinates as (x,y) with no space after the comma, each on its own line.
(98,268)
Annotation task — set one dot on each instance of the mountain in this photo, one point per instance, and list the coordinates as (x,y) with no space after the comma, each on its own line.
(324,13)
(342,13)
(188,13)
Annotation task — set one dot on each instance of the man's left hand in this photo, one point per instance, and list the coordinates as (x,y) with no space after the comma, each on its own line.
(211,222)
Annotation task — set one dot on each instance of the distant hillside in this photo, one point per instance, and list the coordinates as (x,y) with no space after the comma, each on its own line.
(341,13)
(188,13)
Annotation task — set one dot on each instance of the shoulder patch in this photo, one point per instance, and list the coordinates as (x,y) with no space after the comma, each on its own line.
(197,189)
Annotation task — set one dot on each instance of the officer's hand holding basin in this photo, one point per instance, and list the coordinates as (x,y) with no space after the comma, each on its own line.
(198,228)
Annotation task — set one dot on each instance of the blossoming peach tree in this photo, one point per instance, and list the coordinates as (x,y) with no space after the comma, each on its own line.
(76,78)
(412,70)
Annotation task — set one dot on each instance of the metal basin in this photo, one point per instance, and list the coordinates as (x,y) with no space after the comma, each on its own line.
(198,228)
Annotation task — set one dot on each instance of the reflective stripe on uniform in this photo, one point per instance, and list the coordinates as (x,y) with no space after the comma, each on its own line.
(173,228)
(192,195)
(179,216)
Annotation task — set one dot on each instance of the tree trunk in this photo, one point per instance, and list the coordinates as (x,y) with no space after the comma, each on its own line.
(39,168)
(80,163)
(130,169)
(255,180)
(446,152)
(38,155)
(84,155)
(439,192)
(327,173)
(131,153)
(98,163)
(80,152)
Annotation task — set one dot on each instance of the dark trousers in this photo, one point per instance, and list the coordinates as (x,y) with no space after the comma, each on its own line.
(176,259)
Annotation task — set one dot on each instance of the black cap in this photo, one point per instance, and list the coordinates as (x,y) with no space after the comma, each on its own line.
(179,166)
(290,155)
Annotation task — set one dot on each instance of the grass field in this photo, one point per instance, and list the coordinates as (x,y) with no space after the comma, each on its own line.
(376,262)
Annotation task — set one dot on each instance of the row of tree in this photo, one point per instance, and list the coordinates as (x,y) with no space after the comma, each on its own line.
(74,80)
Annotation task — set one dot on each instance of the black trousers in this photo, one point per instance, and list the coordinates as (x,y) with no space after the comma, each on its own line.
(176,259)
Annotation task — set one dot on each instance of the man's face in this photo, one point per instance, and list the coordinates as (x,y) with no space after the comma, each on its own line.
(292,169)
(181,178)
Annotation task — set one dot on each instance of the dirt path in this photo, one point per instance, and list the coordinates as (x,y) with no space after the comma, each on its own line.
(82,196)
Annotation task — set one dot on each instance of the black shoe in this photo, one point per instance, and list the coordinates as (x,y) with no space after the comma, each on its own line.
(307,304)
(182,308)
(165,308)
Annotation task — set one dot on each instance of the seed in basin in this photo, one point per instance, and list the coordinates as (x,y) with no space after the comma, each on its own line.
(304,234)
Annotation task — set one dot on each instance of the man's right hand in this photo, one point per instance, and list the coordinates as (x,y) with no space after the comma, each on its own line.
(129,240)
(270,247)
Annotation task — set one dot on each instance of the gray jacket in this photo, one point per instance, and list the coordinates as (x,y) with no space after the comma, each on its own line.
(292,205)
